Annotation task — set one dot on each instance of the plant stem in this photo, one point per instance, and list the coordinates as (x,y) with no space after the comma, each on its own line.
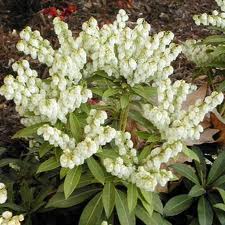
(123,118)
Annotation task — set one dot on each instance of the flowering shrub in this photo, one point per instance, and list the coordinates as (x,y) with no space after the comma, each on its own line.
(127,71)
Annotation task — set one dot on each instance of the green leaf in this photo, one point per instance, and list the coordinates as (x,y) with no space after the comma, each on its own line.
(200,166)
(45,147)
(92,212)
(220,206)
(155,219)
(154,138)
(177,204)
(222,193)
(124,101)
(107,153)
(214,39)
(49,164)
(217,168)
(108,198)
(7,161)
(157,203)
(77,197)
(75,127)
(146,92)
(186,171)
(196,191)
(138,117)
(27,131)
(110,92)
(191,154)
(124,216)
(86,179)
(14,207)
(147,196)
(63,172)
(205,213)
(96,169)
(144,152)
(220,182)
(71,180)
(132,196)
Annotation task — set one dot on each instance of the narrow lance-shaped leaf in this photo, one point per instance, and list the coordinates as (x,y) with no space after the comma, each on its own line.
(177,204)
(217,168)
(220,206)
(49,164)
(28,131)
(124,216)
(77,197)
(75,127)
(132,196)
(71,180)
(205,213)
(92,212)
(196,191)
(222,193)
(96,169)
(108,198)
(186,171)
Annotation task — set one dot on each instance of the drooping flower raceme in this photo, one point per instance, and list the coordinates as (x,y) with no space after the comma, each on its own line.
(127,55)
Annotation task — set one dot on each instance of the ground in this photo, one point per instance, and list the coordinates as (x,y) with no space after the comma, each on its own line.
(173,15)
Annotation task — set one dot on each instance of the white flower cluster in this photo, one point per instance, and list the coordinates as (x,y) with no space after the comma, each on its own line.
(56,137)
(33,44)
(38,101)
(124,165)
(148,180)
(95,136)
(122,51)
(174,123)
(197,52)
(7,218)
(3,193)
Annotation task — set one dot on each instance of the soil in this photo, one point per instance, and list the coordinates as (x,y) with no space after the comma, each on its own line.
(173,15)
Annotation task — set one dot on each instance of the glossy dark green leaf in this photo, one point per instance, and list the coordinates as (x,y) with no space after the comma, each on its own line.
(220,182)
(92,212)
(27,131)
(108,198)
(220,206)
(124,216)
(132,196)
(96,169)
(63,172)
(157,203)
(201,165)
(155,219)
(14,207)
(71,180)
(186,171)
(217,168)
(146,92)
(110,92)
(205,213)
(124,101)
(191,154)
(177,204)
(45,148)
(75,127)
(77,197)
(196,191)
(48,165)
(222,193)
